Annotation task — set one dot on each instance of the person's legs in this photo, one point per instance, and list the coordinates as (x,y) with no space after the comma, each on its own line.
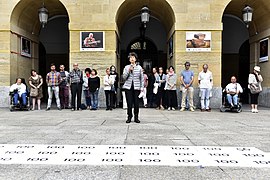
(169,99)
(107,99)
(79,96)
(174,99)
(50,94)
(129,98)
(24,101)
(235,99)
(56,94)
(112,100)
(191,94)
(62,97)
(229,98)
(15,98)
(73,95)
(136,104)
(95,100)
(38,103)
(92,99)
(184,96)
(202,91)
(124,99)
(207,99)
(66,96)
(144,97)
(33,103)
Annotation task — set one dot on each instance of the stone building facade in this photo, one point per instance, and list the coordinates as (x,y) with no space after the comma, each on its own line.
(234,49)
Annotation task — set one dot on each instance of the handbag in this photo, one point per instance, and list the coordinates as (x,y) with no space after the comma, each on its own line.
(113,88)
(155,89)
(254,88)
(34,92)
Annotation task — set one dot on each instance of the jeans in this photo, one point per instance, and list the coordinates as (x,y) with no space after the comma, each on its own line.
(232,99)
(94,99)
(16,98)
(87,97)
(190,92)
(205,98)
(54,89)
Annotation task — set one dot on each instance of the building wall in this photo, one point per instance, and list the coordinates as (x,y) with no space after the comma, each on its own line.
(100,15)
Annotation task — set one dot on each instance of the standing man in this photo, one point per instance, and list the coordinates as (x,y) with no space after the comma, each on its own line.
(53,79)
(76,81)
(186,79)
(205,79)
(63,88)
(133,76)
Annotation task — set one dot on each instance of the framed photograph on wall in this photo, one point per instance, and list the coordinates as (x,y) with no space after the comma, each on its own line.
(198,41)
(264,50)
(92,41)
(25,47)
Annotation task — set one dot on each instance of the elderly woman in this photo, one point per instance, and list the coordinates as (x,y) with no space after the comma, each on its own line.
(134,84)
(254,84)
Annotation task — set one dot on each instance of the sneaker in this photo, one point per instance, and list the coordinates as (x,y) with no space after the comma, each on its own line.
(191,109)
(161,107)
(48,109)
(59,109)
(253,110)
(169,109)
(173,108)
(72,109)
(208,110)
(256,111)
(182,109)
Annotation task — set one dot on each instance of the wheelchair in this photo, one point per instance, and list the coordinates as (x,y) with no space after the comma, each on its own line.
(227,107)
(19,106)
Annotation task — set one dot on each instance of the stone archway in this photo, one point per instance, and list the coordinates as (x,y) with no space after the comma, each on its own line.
(24,23)
(159,29)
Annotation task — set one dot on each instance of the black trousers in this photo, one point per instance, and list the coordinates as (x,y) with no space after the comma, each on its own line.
(172,98)
(109,98)
(132,100)
(160,97)
(254,98)
(76,90)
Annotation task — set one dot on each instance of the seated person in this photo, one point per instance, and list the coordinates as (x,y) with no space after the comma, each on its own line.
(232,90)
(19,90)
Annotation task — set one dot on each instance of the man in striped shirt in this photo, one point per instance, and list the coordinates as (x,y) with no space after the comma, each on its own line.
(53,80)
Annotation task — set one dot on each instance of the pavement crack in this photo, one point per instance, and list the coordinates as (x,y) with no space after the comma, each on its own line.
(103,122)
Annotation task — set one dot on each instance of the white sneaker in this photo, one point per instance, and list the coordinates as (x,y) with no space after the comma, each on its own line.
(191,109)
(253,110)
(256,111)
(182,109)
(169,109)
(173,109)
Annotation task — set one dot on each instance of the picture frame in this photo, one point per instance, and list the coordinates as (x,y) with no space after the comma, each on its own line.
(198,41)
(263,50)
(26,47)
(92,41)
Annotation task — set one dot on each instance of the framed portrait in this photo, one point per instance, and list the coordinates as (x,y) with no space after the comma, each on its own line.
(264,50)
(198,41)
(25,47)
(92,41)
(171,47)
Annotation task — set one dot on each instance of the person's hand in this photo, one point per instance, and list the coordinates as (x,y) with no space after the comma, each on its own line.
(131,68)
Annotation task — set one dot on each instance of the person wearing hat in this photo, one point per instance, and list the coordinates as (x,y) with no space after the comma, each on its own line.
(254,84)
(186,79)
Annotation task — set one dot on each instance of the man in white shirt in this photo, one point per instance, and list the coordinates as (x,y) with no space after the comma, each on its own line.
(232,90)
(19,90)
(205,80)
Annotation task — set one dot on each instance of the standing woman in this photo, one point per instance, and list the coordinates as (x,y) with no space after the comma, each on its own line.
(94,85)
(85,87)
(254,84)
(170,86)
(109,89)
(116,77)
(35,81)
(133,77)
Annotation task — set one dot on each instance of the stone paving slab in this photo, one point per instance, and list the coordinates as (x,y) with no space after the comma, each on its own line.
(157,128)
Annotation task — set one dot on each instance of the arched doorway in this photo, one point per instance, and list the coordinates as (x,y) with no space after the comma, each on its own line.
(46,44)
(151,45)
(235,52)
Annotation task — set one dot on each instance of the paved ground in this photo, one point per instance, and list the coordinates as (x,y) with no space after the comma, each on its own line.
(102,127)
